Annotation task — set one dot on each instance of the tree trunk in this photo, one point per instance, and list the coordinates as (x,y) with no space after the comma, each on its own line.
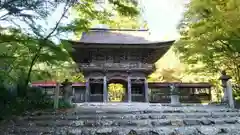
(31,66)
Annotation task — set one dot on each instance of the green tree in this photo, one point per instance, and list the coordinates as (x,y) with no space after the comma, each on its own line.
(29,43)
(210,37)
(168,72)
(26,38)
(125,22)
(116,92)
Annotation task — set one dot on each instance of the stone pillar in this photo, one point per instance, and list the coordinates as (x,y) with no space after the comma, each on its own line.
(56,95)
(73,95)
(146,90)
(69,95)
(174,95)
(87,90)
(129,89)
(230,95)
(67,91)
(105,92)
(224,78)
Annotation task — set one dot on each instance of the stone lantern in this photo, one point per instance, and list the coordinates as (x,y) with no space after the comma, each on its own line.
(67,91)
(174,94)
(224,78)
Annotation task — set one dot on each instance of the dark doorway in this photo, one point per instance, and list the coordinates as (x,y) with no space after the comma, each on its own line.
(96,91)
(138,92)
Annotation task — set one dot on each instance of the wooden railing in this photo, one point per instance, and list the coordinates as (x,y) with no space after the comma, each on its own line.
(137,98)
(96,97)
(116,66)
(187,95)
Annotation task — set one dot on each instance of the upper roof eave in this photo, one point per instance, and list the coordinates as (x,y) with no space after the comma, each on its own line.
(155,43)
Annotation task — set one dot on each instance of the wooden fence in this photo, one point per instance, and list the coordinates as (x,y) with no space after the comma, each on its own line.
(189,92)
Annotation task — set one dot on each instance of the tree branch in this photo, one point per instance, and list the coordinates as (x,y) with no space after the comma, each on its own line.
(36,56)
(3,17)
(66,8)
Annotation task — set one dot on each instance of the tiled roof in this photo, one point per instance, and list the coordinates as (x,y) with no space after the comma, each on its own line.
(109,36)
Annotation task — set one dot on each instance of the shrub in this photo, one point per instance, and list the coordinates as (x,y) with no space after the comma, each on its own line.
(15,100)
(11,103)
(64,105)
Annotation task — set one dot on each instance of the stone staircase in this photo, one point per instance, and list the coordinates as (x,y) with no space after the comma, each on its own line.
(129,119)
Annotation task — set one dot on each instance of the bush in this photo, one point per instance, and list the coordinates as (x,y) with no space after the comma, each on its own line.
(11,103)
(64,105)
(236,94)
(16,100)
(236,91)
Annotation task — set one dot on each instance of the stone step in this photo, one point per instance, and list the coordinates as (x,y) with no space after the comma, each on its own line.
(134,123)
(99,112)
(147,105)
(133,116)
(168,130)
(100,104)
(129,119)
(125,108)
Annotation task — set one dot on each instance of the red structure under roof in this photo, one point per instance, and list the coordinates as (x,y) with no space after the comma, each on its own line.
(151,84)
(53,84)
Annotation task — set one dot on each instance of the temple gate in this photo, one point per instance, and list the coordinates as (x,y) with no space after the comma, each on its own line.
(119,56)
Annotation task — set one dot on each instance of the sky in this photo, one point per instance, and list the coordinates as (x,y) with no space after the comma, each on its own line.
(163,17)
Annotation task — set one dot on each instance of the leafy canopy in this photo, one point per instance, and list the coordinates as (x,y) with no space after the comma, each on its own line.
(28,39)
(210,37)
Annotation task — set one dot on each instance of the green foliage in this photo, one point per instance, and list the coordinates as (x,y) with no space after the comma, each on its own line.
(30,51)
(173,71)
(236,92)
(28,46)
(117,14)
(125,7)
(127,22)
(17,8)
(210,37)
(168,75)
(116,92)
(64,105)
(13,104)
